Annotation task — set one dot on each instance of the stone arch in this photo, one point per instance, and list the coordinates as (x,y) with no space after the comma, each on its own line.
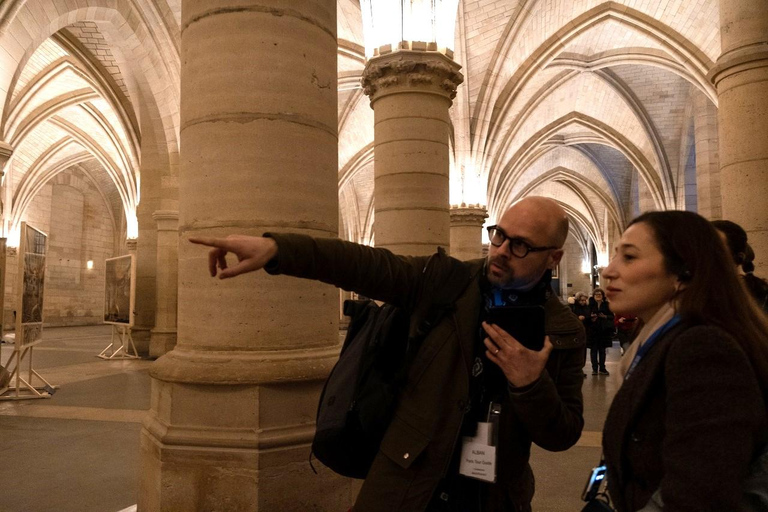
(356,218)
(569,176)
(500,90)
(679,47)
(638,57)
(62,178)
(548,101)
(150,49)
(600,133)
(42,170)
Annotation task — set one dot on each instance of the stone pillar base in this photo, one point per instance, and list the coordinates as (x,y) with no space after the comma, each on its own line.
(161,342)
(235,448)
(141,337)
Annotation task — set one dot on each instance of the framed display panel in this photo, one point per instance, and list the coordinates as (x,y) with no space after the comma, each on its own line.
(33,247)
(120,290)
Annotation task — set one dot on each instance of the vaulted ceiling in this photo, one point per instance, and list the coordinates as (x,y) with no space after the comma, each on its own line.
(591,103)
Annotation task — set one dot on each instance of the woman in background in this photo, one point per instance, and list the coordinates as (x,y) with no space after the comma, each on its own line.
(690,415)
(743,256)
(600,331)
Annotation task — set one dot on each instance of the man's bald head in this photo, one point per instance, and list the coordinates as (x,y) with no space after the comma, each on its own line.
(544,213)
(542,225)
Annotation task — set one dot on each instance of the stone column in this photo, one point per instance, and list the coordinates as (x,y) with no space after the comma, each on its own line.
(163,337)
(131,245)
(467,231)
(234,403)
(707,156)
(411,91)
(5,153)
(146,255)
(741,78)
(6,150)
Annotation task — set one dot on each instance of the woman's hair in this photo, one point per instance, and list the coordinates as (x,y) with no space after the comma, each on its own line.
(580,295)
(713,293)
(599,290)
(744,256)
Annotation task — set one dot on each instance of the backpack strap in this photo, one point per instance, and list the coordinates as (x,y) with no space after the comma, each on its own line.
(445,279)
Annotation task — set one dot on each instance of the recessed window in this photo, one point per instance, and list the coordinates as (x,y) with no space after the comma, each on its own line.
(89,265)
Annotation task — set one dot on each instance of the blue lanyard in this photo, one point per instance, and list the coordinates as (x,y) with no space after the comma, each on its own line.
(658,333)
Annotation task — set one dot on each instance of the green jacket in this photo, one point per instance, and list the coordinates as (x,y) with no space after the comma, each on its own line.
(417,448)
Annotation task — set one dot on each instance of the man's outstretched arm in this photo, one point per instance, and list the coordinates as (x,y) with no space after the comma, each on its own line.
(373,272)
(253,253)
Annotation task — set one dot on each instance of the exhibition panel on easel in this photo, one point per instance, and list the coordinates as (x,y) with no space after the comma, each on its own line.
(32,253)
(119,291)
(29,319)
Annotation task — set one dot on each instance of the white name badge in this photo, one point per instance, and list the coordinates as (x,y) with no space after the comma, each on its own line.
(478,457)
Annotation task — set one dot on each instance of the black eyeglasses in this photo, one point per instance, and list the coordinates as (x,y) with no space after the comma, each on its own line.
(518,247)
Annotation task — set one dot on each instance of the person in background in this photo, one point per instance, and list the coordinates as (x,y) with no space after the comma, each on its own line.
(582,311)
(743,256)
(690,415)
(581,308)
(600,331)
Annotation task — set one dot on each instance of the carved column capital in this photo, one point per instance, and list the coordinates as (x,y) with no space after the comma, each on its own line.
(411,70)
(472,215)
(167,220)
(132,244)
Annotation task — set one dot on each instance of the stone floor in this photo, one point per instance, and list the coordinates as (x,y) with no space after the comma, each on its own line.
(78,451)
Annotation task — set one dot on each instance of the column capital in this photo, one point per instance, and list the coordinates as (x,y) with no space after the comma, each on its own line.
(167,220)
(132,244)
(737,61)
(411,70)
(472,215)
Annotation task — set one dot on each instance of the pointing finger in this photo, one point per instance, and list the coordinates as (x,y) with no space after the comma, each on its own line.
(218,243)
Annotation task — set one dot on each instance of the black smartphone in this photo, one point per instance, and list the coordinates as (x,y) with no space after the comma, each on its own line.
(593,484)
(524,323)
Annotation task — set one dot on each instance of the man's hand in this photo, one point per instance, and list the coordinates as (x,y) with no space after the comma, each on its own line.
(520,365)
(253,253)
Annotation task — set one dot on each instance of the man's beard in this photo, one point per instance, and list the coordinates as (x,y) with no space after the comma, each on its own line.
(507,279)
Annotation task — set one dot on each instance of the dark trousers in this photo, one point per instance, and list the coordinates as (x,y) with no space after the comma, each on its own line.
(597,356)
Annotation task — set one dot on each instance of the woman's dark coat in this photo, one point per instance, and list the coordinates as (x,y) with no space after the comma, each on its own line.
(688,420)
(600,331)
(584,311)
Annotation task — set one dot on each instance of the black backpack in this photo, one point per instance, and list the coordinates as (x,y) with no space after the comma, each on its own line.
(359,396)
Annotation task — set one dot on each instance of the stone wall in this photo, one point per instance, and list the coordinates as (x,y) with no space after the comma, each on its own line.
(80,230)
(570,270)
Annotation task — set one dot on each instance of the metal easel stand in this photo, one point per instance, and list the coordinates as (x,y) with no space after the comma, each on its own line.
(125,349)
(19,388)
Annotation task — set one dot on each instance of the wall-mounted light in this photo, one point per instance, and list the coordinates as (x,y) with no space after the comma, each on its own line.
(585,267)
(89,264)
